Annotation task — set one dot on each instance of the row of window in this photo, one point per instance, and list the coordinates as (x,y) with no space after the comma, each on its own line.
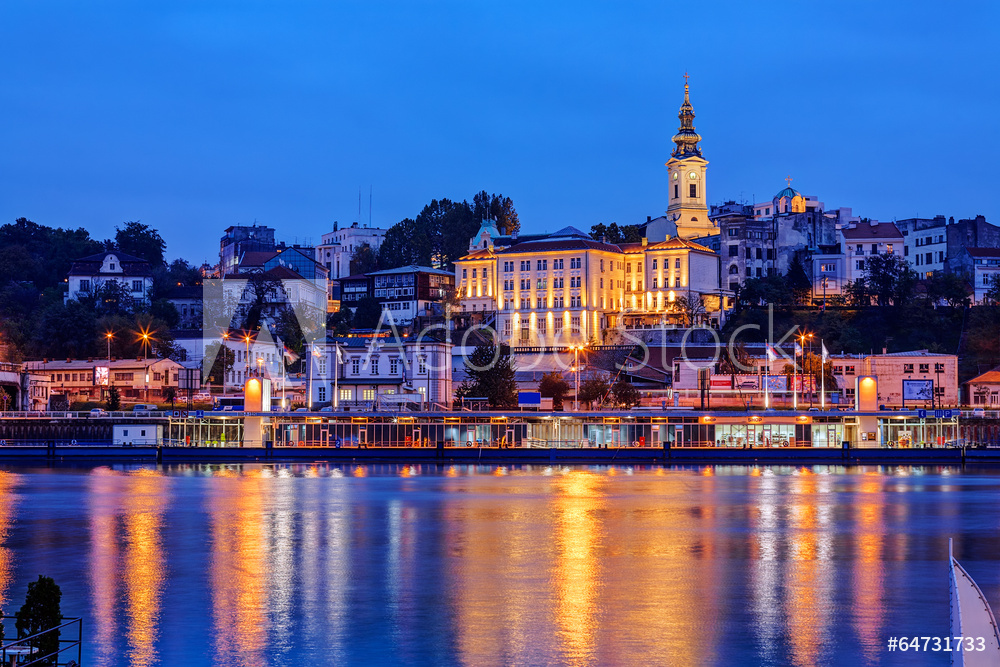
(923,368)
(541,327)
(85,285)
(541,265)
(751,253)
(485,273)
(928,258)
(927,240)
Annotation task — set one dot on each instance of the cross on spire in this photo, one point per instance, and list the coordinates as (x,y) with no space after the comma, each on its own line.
(686,77)
(788,180)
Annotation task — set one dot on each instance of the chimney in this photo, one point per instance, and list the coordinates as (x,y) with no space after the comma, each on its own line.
(885,350)
(645,241)
(649,218)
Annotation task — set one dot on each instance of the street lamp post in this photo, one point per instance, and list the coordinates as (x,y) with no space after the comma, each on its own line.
(145,368)
(109,335)
(576,368)
(246,358)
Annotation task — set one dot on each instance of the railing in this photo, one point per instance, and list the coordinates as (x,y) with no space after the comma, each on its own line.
(15,652)
(83,414)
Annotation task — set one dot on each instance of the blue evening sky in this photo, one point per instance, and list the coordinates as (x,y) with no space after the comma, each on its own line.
(192,116)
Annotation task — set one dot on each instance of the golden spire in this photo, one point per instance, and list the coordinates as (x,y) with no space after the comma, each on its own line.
(686,138)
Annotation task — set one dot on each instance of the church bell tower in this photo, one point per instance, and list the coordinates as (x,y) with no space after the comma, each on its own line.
(686,170)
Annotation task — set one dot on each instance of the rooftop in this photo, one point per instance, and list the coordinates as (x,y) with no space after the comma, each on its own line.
(865,231)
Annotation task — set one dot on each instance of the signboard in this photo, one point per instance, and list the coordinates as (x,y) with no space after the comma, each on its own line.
(529,399)
(777,383)
(922,414)
(723,382)
(748,382)
(918,390)
(189,378)
(101,375)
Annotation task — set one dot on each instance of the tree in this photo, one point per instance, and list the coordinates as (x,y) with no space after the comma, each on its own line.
(615,233)
(141,241)
(166,312)
(490,372)
(363,260)
(114,401)
(992,296)
(170,395)
(889,279)
(624,394)
(950,288)
(111,297)
(594,389)
(553,385)
(41,611)
(340,322)
(404,244)
(498,208)
(367,313)
(798,281)
(224,360)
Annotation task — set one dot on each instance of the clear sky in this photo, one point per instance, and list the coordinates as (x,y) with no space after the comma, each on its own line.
(193,116)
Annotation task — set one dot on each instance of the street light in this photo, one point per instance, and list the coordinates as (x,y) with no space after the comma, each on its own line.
(109,335)
(576,369)
(246,359)
(795,390)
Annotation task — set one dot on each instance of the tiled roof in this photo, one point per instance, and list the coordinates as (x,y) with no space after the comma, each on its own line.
(91,265)
(482,253)
(256,257)
(883,230)
(678,242)
(984,252)
(559,244)
(412,268)
(991,376)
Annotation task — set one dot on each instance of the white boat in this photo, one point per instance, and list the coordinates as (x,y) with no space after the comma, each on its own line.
(971,617)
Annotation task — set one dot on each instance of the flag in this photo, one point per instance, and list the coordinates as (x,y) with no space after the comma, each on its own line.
(290,356)
(798,349)
(826,354)
(771,354)
(340,354)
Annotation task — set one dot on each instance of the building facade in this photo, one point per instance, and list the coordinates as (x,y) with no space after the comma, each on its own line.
(365,373)
(133,277)
(686,169)
(138,380)
(336,248)
(238,240)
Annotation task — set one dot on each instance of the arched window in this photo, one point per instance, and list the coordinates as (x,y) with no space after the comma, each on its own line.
(734,270)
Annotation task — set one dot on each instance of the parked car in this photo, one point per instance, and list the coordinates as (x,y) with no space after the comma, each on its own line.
(144,407)
(98,412)
(978,412)
(203,397)
(301,410)
(328,408)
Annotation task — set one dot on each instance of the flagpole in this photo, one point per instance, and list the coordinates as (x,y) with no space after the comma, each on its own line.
(822,375)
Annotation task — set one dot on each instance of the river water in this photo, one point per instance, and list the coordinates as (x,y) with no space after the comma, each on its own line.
(465,565)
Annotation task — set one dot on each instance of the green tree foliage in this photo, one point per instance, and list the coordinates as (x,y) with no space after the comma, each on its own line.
(111,297)
(440,233)
(363,260)
(224,360)
(290,331)
(170,395)
(593,390)
(992,296)
(142,241)
(616,233)
(114,401)
(367,313)
(490,371)
(179,273)
(624,395)
(498,208)
(553,385)
(41,611)
(798,282)
(340,322)
(763,291)
(41,255)
(165,312)
(888,279)
(949,288)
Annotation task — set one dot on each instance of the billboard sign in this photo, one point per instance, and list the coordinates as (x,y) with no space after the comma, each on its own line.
(918,390)
(529,399)
(101,375)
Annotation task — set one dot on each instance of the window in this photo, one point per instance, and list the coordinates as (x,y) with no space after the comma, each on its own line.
(888,248)
(136,285)
(84,285)
(321,394)
(860,265)
(907,368)
(602,283)
(557,264)
(849,370)
(734,251)
(602,266)
(906,251)
(749,253)
(575,262)
(733,271)
(748,271)
(506,329)
(874,248)
(558,302)
(465,274)
(924,368)
(654,265)
(654,282)
(760,255)
(524,330)
(759,274)
(838,370)
(345,394)
(692,191)
(676,191)
(574,324)
(542,265)
(473,273)
(677,263)
(927,258)
(421,365)
(770,253)
(374,365)
(557,326)
(733,232)
(541,326)
(939,368)
(157,377)
(574,302)
(369,394)
(393,366)
(356,366)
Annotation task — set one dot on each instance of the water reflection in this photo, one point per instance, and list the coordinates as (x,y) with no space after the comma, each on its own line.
(496,565)
(127,564)
(238,568)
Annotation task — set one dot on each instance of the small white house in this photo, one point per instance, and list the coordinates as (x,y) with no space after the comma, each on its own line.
(89,274)
(137,434)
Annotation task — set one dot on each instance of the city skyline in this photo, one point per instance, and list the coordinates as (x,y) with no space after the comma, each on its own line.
(202,117)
